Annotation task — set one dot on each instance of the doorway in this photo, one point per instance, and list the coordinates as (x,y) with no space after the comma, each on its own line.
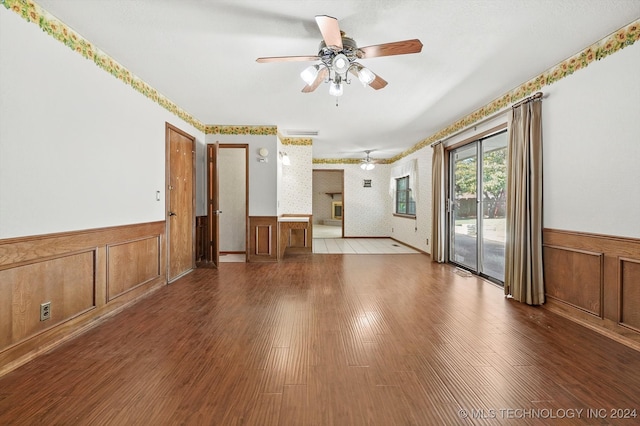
(328,203)
(228,189)
(180,202)
(477,216)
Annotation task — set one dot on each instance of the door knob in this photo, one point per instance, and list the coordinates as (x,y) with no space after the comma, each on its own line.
(172,214)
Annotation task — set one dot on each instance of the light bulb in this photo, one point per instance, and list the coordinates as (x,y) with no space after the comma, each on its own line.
(366,76)
(340,63)
(335,89)
(309,74)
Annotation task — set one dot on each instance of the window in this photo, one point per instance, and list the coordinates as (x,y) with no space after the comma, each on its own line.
(405,204)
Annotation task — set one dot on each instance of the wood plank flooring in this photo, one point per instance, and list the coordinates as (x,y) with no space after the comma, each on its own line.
(328,340)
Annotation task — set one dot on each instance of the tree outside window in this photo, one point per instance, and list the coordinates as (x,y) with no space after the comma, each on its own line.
(405,204)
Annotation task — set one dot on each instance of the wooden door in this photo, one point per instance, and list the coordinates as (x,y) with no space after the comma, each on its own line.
(180,202)
(213,204)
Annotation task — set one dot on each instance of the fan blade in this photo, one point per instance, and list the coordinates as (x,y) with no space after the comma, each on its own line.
(287,59)
(330,31)
(378,83)
(389,49)
(322,74)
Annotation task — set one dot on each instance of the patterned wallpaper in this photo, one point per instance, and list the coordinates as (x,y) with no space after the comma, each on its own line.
(295,187)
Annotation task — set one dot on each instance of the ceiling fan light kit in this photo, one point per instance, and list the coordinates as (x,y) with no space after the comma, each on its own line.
(338,54)
(367,163)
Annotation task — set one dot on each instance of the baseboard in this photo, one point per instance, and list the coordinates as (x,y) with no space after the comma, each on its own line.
(605,327)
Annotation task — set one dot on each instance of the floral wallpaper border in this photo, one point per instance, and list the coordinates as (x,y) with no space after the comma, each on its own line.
(614,42)
(295,141)
(349,160)
(34,13)
(241,130)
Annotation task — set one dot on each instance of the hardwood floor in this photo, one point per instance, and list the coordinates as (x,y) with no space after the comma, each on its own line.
(328,340)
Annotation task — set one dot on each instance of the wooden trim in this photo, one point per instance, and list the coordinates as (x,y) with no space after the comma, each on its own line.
(621,301)
(604,237)
(410,246)
(56,267)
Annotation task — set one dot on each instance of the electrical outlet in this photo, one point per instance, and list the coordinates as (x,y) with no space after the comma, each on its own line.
(45,311)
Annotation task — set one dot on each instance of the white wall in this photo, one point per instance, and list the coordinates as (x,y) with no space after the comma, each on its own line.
(591,140)
(262,176)
(79,149)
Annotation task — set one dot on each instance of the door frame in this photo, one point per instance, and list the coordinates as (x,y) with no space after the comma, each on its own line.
(167,199)
(341,171)
(501,128)
(213,255)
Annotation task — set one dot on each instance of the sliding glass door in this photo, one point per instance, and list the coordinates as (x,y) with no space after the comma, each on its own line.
(477,206)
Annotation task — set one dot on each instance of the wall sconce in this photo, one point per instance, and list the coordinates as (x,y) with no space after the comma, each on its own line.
(263,152)
(286,161)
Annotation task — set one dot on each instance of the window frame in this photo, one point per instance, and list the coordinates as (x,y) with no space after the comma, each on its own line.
(410,201)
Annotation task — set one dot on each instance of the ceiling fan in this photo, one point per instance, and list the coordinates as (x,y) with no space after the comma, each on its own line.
(367,163)
(338,54)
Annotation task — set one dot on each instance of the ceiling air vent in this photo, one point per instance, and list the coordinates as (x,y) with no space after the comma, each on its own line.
(301,133)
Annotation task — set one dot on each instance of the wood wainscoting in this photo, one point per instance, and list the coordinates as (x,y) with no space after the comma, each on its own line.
(594,279)
(263,239)
(84,275)
(202,241)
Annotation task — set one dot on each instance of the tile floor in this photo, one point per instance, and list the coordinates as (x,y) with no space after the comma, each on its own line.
(360,246)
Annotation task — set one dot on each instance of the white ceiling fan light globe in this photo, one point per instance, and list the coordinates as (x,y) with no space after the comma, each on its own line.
(336,89)
(340,63)
(366,76)
(309,74)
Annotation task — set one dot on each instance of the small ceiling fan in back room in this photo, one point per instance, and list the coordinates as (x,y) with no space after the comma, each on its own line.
(338,54)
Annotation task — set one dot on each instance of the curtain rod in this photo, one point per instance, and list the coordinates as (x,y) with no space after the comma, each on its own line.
(533,97)
(537,95)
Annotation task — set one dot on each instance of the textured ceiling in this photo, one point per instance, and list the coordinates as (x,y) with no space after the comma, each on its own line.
(201,55)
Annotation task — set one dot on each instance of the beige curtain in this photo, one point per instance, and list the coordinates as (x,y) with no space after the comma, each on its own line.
(523,253)
(438,200)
